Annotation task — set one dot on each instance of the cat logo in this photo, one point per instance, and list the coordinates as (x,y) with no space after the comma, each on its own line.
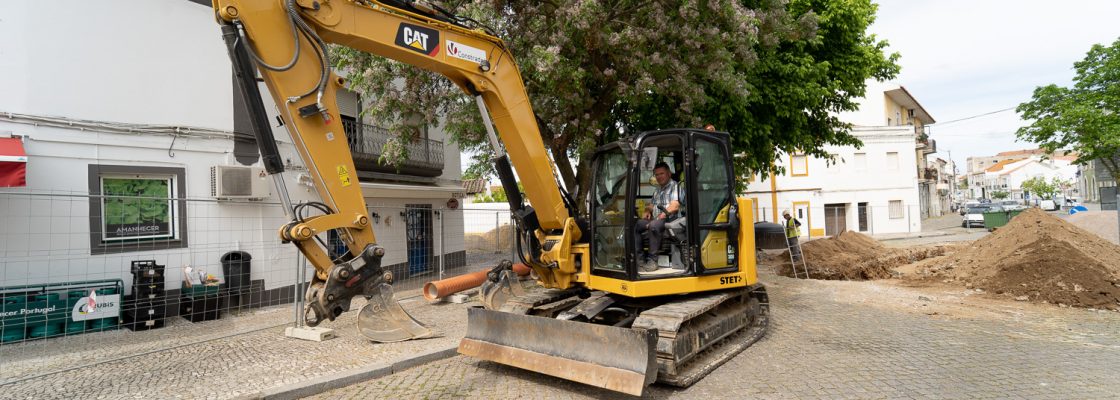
(419,39)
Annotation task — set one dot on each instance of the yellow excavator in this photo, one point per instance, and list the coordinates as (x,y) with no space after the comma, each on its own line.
(599,313)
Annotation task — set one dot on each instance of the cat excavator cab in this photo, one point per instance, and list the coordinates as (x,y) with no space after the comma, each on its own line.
(592,315)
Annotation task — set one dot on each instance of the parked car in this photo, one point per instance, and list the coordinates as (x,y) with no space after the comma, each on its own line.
(967,206)
(974,216)
(1048,205)
(1011,205)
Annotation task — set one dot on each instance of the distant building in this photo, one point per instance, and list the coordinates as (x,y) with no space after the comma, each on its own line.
(1097,184)
(882,187)
(1007,170)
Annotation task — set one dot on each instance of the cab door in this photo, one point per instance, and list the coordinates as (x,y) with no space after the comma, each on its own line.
(712,208)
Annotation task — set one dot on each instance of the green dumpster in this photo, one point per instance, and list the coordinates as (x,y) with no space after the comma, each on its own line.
(995,219)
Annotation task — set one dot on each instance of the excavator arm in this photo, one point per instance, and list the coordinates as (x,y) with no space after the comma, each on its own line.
(285,40)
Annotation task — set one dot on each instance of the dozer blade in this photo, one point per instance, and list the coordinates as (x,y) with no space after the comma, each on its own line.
(618,359)
(384,320)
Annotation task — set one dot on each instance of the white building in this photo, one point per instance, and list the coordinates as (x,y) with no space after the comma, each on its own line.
(873,189)
(941,195)
(1008,175)
(145,93)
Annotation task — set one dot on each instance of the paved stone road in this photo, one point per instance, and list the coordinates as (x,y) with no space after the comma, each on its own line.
(222,359)
(849,340)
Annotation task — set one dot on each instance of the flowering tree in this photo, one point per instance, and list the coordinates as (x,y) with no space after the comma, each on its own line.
(771,73)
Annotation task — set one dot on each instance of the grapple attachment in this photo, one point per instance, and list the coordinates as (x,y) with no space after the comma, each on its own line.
(500,285)
(618,359)
(383,320)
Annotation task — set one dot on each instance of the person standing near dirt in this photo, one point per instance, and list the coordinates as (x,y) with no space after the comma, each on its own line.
(793,233)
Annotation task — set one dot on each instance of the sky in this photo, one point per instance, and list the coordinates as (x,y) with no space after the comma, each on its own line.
(966,58)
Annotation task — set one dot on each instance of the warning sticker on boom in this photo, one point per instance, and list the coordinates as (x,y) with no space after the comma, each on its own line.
(343,175)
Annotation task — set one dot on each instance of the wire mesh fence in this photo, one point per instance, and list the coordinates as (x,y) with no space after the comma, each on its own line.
(879,220)
(109,264)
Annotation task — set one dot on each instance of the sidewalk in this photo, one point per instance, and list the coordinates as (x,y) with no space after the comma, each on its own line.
(244,355)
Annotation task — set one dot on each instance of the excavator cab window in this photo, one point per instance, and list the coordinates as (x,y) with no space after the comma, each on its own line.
(712,188)
(620,195)
(608,206)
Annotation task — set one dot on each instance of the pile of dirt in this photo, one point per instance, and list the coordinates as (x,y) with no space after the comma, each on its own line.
(496,240)
(1038,257)
(854,256)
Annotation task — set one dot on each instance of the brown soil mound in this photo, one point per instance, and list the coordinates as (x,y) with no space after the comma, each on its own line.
(498,239)
(854,256)
(1041,258)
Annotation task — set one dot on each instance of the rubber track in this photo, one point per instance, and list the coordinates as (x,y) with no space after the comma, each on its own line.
(669,318)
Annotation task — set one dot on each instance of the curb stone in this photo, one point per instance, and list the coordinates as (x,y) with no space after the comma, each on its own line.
(324,383)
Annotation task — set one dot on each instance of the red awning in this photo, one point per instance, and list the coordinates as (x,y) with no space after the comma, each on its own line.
(13,163)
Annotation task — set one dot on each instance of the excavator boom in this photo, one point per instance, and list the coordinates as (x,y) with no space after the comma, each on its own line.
(285,40)
(596,319)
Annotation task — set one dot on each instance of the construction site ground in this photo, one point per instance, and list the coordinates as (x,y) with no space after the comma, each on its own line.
(847,340)
(888,338)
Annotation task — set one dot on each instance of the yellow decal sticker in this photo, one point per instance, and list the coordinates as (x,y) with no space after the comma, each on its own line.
(343,175)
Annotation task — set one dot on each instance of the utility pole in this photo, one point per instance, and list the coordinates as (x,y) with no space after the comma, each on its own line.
(953,183)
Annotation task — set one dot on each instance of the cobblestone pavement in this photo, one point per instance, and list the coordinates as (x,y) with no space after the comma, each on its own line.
(831,339)
(226,358)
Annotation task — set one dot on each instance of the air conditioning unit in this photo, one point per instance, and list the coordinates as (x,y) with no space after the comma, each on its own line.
(238,182)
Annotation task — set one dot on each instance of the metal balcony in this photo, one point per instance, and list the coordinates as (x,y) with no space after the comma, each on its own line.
(425,157)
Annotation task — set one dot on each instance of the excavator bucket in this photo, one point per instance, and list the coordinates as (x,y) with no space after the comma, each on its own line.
(493,294)
(618,359)
(383,320)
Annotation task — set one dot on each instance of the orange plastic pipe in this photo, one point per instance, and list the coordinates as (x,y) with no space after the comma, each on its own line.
(442,288)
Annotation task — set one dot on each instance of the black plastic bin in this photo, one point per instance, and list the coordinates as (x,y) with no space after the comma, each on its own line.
(236,266)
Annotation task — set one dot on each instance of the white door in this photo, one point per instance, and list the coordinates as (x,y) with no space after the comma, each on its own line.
(801,212)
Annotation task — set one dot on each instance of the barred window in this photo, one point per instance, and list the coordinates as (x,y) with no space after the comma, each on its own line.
(896,211)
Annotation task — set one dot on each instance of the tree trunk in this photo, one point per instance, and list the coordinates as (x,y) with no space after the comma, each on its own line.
(564,165)
(583,176)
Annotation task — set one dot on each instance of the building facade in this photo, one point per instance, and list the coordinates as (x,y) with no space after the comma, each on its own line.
(874,188)
(110,110)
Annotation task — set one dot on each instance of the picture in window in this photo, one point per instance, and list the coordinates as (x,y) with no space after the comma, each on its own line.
(136,208)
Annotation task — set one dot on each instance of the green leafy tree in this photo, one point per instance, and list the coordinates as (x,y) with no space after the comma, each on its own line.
(1084,118)
(770,72)
(1000,195)
(1039,187)
(813,62)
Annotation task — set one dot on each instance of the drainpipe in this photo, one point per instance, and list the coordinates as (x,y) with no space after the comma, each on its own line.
(774,192)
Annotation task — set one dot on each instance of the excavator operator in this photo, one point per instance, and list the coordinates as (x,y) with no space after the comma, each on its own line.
(661,210)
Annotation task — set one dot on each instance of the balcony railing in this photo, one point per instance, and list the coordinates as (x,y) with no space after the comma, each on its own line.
(367,143)
(927,145)
(929,174)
